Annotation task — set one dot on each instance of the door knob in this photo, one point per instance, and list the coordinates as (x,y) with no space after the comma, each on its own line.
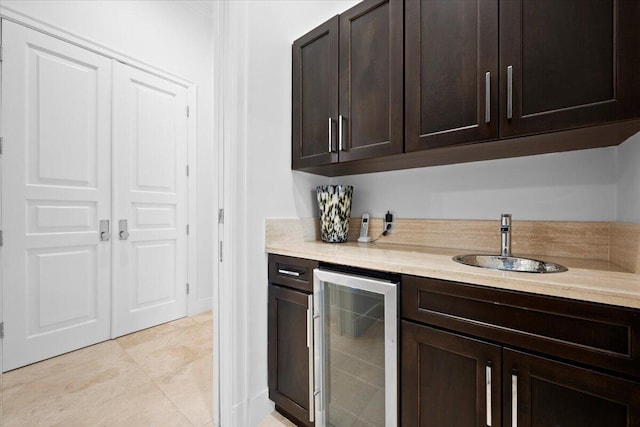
(105,235)
(124,234)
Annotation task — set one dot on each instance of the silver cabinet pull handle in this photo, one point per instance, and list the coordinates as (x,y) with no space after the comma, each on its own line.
(488,384)
(311,351)
(509,92)
(514,398)
(123,234)
(330,145)
(487,97)
(104,233)
(340,119)
(288,272)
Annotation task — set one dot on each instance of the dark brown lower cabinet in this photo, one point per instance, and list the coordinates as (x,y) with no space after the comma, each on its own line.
(544,392)
(448,380)
(456,381)
(288,353)
(551,362)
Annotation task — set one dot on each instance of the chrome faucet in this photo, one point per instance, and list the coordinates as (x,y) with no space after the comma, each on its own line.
(505,235)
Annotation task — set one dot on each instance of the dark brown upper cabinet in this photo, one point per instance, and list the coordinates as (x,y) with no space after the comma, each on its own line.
(315,96)
(371,80)
(347,89)
(451,72)
(477,80)
(561,65)
(566,64)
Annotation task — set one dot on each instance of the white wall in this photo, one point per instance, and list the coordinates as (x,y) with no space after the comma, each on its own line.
(272,189)
(628,180)
(573,186)
(174,36)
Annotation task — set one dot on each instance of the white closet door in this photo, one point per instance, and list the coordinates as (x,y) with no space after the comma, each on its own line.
(56,173)
(150,193)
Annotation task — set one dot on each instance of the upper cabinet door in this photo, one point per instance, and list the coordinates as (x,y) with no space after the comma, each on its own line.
(315,97)
(566,64)
(451,87)
(371,68)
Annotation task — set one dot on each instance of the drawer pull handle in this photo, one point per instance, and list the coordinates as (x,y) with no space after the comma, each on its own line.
(514,398)
(488,385)
(330,141)
(487,97)
(340,146)
(288,272)
(510,92)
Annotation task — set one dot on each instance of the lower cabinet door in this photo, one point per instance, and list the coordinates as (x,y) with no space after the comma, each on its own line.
(448,380)
(542,392)
(288,353)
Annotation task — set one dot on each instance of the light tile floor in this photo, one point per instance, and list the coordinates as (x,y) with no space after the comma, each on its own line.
(161,376)
(275,419)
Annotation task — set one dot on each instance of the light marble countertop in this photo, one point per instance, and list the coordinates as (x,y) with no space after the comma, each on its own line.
(586,280)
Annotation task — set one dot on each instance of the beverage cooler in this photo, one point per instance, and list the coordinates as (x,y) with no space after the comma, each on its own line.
(354,374)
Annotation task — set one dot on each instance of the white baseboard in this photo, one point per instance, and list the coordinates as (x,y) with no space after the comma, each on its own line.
(239,414)
(201,306)
(260,406)
(251,412)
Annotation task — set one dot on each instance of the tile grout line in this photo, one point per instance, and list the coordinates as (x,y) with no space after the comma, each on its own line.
(155,383)
(154,380)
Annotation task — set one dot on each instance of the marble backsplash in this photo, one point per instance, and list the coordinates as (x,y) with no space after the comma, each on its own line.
(625,246)
(606,241)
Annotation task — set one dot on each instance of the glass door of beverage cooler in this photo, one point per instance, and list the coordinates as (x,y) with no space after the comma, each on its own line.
(355,350)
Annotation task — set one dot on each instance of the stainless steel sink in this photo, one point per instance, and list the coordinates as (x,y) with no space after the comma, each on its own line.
(509,263)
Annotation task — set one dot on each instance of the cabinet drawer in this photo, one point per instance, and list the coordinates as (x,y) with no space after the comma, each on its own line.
(293,272)
(594,334)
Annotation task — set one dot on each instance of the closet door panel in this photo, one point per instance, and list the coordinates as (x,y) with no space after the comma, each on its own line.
(56,189)
(150,194)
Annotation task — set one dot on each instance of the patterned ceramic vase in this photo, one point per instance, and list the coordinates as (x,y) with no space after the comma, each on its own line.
(334,202)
